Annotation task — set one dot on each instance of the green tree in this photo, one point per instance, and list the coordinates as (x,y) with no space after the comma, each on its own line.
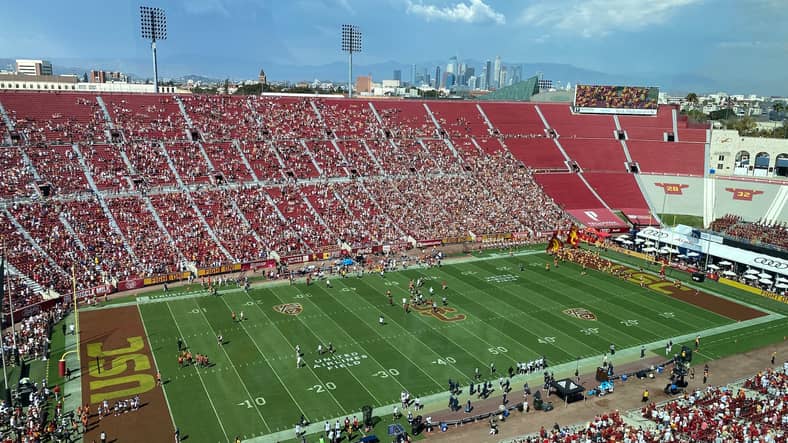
(778,107)
(744,125)
(84,77)
(692,98)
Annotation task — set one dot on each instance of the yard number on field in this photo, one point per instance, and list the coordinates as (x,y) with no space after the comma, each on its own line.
(348,289)
(497,350)
(629,322)
(590,331)
(667,315)
(198,310)
(386,373)
(259,401)
(546,340)
(445,361)
(322,388)
(303,295)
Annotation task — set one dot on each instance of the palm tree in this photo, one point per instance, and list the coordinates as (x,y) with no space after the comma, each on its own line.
(692,98)
(778,107)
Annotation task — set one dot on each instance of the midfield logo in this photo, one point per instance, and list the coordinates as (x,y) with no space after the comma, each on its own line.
(580,313)
(440,313)
(289,308)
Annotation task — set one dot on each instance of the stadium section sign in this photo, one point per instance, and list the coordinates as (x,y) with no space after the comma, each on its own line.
(599,218)
(597,99)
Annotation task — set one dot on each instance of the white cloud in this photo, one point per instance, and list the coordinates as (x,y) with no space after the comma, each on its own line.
(594,18)
(476,11)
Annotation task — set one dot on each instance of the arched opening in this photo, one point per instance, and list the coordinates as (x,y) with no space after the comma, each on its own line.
(781,165)
(761,164)
(741,163)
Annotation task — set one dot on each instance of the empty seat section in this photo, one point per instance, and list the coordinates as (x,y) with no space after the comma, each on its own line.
(514,118)
(618,190)
(568,125)
(692,135)
(568,191)
(55,117)
(593,154)
(668,158)
(539,152)
(287,118)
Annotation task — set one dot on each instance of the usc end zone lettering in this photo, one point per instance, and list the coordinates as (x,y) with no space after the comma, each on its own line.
(650,281)
(125,372)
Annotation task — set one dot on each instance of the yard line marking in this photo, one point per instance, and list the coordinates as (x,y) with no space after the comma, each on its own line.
(265,314)
(202,382)
(376,360)
(323,341)
(362,347)
(419,340)
(521,345)
(269,364)
(230,360)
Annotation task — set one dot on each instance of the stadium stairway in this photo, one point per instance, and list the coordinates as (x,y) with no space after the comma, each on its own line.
(776,207)
(30,166)
(182,107)
(6,138)
(245,161)
(20,229)
(211,167)
(162,227)
(311,157)
(375,113)
(113,224)
(30,283)
(374,158)
(709,200)
(70,229)
(194,206)
(107,118)
(318,114)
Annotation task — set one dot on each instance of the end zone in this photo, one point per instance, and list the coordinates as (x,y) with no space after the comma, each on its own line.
(117,364)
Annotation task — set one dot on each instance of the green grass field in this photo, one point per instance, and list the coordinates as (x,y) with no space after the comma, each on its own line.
(255,389)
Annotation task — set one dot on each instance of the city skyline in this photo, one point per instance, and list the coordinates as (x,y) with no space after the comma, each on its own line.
(234,38)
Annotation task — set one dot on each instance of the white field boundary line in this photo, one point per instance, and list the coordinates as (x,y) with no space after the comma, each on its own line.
(163,389)
(437,401)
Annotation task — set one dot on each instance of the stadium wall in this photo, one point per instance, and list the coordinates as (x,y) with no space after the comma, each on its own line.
(748,198)
(727,147)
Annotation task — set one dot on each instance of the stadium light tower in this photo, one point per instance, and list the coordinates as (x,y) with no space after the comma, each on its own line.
(153,26)
(351,42)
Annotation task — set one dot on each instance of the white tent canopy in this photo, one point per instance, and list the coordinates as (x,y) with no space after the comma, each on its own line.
(680,236)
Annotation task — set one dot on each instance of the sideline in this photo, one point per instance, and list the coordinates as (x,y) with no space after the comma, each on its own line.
(438,401)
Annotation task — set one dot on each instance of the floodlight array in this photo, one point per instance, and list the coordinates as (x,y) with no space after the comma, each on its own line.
(153,23)
(351,38)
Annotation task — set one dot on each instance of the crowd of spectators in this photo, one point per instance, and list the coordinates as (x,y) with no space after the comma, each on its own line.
(775,234)
(626,97)
(156,254)
(189,162)
(187,230)
(221,117)
(15,176)
(106,166)
(720,414)
(59,166)
(288,118)
(225,221)
(148,160)
(608,427)
(146,117)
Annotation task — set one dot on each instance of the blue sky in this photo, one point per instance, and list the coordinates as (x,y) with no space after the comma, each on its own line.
(742,45)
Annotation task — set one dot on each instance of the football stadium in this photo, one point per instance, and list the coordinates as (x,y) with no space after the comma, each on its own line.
(301,268)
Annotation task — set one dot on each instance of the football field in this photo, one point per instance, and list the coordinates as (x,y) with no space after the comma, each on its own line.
(496,313)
